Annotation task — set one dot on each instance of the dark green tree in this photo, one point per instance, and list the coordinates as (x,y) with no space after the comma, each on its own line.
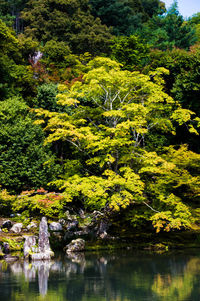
(68,21)
(124,16)
(169,30)
(10,13)
(23,156)
(15,76)
(130,51)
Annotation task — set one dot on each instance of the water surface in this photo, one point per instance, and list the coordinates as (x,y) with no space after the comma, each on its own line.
(118,276)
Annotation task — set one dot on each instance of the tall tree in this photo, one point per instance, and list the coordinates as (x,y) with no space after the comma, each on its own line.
(68,21)
(114,113)
(10,13)
(22,153)
(15,76)
(169,30)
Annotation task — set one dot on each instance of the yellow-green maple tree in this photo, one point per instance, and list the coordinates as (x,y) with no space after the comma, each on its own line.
(112,113)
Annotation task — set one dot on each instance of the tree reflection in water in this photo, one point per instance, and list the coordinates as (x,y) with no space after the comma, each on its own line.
(112,277)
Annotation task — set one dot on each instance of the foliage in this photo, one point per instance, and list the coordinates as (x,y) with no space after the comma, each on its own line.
(182,83)
(23,158)
(68,21)
(60,65)
(130,51)
(169,30)
(6,201)
(125,17)
(15,77)
(39,203)
(110,130)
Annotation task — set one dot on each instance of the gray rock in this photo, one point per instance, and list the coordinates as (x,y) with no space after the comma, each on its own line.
(55,226)
(68,216)
(81,213)
(32,225)
(30,245)
(72,226)
(62,221)
(44,250)
(43,241)
(76,245)
(7,224)
(6,248)
(17,228)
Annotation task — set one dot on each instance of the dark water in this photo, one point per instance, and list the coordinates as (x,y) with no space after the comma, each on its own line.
(119,276)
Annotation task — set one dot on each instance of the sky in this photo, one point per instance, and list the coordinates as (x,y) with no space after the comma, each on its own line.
(186,7)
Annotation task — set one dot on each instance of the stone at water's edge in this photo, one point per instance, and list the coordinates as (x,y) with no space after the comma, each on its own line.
(44,251)
(30,245)
(55,226)
(43,242)
(76,245)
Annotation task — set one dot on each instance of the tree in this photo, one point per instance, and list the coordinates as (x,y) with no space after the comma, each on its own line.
(153,7)
(114,112)
(169,30)
(123,16)
(68,21)
(15,76)
(23,158)
(10,13)
(132,52)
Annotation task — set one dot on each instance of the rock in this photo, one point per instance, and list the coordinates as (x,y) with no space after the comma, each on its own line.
(55,226)
(103,227)
(44,250)
(68,235)
(6,248)
(72,226)
(43,241)
(62,221)
(81,213)
(68,216)
(76,245)
(17,228)
(32,225)
(7,224)
(30,245)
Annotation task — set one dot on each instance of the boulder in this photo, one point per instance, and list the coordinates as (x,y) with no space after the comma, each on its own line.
(17,228)
(55,226)
(76,245)
(72,225)
(6,248)
(30,245)
(7,224)
(44,250)
(32,225)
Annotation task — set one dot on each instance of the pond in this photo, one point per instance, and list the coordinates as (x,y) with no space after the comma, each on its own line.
(115,276)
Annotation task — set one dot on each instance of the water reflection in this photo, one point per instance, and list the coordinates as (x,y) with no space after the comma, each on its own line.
(103,277)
